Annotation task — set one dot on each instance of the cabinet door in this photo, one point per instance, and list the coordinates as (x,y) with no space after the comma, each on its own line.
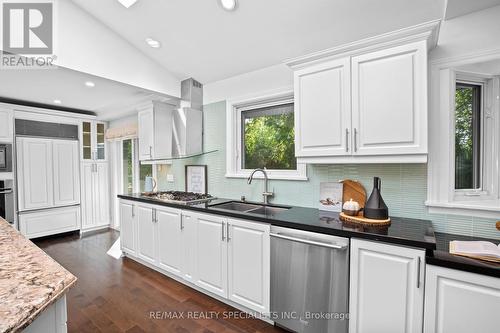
(386,288)
(146,234)
(189,246)
(460,302)
(169,240)
(249,264)
(66,170)
(101,193)
(127,227)
(323,109)
(35,174)
(211,254)
(100,142)
(389,101)
(88,197)
(87,141)
(146,134)
(6,125)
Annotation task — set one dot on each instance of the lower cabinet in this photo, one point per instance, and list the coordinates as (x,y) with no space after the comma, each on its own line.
(249,264)
(211,254)
(386,288)
(95,195)
(128,224)
(146,233)
(226,257)
(170,243)
(49,222)
(460,302)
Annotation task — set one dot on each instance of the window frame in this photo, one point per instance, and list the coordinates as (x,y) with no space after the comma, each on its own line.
(464,79)
(234,139)
(442,197)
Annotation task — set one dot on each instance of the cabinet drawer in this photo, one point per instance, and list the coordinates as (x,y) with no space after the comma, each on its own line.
(49,222)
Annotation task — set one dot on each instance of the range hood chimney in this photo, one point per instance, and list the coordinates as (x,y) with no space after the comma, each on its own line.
(191,94)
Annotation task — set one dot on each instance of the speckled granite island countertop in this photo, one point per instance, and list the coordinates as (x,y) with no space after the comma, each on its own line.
(30,280)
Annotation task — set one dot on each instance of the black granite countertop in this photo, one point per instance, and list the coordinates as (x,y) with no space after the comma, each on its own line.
(442,257)
(402,231)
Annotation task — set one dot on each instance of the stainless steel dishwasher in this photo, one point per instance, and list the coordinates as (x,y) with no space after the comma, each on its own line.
(309,281)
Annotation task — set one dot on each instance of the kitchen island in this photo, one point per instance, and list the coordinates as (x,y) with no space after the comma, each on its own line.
(33,286)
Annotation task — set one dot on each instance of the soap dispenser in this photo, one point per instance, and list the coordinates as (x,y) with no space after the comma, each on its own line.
(375,207)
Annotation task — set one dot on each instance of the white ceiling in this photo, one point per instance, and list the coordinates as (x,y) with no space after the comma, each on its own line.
(201,40)
(491,67)
(455,8)
(108,99)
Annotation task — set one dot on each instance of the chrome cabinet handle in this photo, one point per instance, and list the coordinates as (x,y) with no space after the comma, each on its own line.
(181,224)
(150,152)
(133,211)
(355,140)
(228,235)
(155,216)
(418,272)
(347,140)
(310,242)
(223,236)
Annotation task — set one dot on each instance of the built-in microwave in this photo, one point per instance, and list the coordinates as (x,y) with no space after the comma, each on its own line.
(5,158)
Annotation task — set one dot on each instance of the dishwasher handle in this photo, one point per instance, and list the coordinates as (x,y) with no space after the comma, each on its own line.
(310,242)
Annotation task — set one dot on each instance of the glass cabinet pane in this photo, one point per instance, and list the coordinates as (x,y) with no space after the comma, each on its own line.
(87,140)
(100,142)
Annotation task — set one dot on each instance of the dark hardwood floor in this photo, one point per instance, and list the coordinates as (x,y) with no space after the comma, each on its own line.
(120,295)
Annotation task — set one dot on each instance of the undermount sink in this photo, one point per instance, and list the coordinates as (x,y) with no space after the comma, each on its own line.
(250,208)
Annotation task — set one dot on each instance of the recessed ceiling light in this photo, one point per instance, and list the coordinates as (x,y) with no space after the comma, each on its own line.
(90,84)
(57,101)
(229,5)
(153,43)
(127,3)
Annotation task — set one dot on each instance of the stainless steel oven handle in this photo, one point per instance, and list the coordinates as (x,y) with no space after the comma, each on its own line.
(310,242)
(6,192)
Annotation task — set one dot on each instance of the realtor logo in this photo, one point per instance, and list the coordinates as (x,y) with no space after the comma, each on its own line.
(27,33)
(28,28)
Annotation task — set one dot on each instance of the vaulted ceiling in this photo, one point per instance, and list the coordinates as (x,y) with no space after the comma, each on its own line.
(201,40)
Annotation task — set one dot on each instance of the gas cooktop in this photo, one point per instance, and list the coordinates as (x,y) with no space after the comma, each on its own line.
(179,197)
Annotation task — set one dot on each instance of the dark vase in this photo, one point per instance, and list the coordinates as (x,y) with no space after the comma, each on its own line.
(375,207)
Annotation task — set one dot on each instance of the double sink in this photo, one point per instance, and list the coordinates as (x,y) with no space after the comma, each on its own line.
(251,208)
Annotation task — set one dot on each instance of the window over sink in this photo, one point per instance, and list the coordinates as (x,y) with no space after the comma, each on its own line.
(260,134)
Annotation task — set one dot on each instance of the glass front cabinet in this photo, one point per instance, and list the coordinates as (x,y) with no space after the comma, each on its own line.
(93,141)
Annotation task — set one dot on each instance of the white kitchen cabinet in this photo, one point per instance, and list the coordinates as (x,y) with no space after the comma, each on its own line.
(35,173)
(128,223)
(211,254)
(155,131)
(170,246)
(93,141)
(189,245)
(6,125)
(460,302)
(95,195)
(46,222)
(48,173)
(363,107)
(249,264)
(323,109)
(386,288)
(389,101)
(66,166)
(147,233)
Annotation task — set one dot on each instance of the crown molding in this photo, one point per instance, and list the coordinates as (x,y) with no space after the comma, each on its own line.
(428,31)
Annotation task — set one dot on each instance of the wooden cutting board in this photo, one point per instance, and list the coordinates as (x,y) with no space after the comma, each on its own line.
(360,219)
(354,190)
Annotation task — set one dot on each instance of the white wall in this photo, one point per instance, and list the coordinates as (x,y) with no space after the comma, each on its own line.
(469,34)
(87,45)
(260,81)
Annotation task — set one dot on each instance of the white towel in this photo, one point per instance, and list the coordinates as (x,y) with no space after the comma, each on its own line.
(115,250)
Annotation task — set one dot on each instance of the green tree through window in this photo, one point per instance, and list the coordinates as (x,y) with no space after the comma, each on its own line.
(268,139)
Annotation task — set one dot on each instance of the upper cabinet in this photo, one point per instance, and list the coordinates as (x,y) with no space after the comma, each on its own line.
(389,101)
(365,102)
(6,125)
(155,131)
(93,141)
